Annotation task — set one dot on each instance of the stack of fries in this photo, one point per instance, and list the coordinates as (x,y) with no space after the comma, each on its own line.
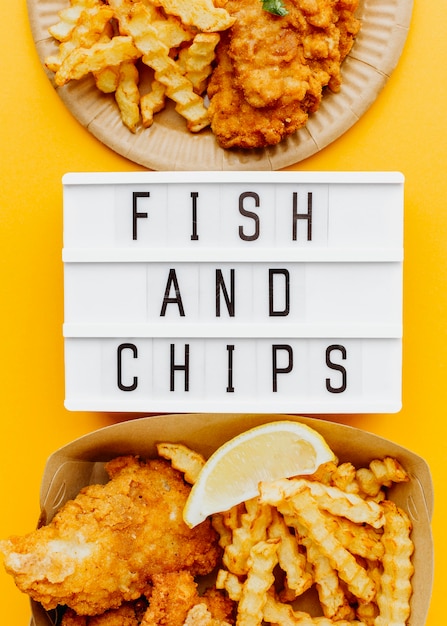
(334,532)
(116,40)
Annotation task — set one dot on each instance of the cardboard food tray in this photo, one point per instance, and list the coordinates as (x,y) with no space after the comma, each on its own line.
(82,462)
(168,145)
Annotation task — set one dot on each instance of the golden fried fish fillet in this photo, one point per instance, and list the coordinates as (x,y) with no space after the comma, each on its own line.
(237,124)
(105,546)
(272,70)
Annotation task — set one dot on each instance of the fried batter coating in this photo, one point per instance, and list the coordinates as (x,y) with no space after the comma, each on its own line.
(219,605)
(199,615)
(172,600)
(238,124)
(105,546)
(173,595)
(272,71)
(128,614)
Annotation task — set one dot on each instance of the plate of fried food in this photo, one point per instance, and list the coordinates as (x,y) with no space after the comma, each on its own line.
(226,519)
(223,85)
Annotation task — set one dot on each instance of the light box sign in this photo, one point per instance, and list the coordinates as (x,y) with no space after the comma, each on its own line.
(233,292)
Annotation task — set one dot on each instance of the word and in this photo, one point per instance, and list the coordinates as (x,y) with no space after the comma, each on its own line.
(225,294)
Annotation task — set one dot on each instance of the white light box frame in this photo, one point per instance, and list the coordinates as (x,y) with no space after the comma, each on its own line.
(233,292)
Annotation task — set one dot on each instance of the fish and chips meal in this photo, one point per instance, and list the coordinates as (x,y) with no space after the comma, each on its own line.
(251,70)
(133,551)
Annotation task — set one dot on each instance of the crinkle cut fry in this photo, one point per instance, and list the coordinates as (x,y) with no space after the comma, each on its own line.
(332,598)
(274,611)
(252,529)
(127,95)
(260,578)
(303,505)
(380,473)
(231,583)
(225,534)
(224,523)
(360,539)
(196,59)
(68,18)
(343,476)
(169,29)
(135,20)
(107,79)
(202,14)
(182,458)
(388,470)
(283,615)
(291,560)
(84,60)
(365,481)
(367,612)
(151,103)
(334,500)
(91,26)
(393,597)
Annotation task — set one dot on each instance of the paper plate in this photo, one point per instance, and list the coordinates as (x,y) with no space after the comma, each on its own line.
(168,145)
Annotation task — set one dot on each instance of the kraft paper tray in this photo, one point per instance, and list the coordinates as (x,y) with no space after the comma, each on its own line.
(81,463)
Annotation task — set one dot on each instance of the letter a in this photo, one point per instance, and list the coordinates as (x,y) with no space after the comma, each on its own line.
(172,281)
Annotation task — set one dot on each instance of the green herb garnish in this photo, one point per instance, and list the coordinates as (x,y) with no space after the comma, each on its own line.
(276,7)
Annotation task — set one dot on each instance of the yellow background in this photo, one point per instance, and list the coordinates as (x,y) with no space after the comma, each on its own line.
(405,130)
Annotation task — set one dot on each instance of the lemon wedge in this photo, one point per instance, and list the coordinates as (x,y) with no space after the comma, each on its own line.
(264,453)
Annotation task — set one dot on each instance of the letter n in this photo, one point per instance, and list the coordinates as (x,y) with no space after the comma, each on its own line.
(221,287)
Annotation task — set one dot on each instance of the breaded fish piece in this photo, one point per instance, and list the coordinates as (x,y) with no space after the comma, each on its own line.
(272,71)
(173,595)
(200,615)
(105,546)
(237,124)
